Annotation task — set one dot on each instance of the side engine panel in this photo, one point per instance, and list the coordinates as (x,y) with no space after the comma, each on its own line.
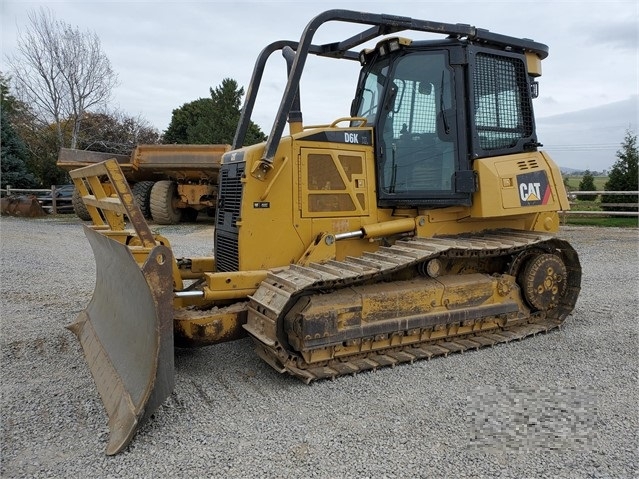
(518,184)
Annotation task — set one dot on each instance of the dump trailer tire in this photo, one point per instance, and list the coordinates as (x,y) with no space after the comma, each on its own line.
(163,199)
(79,207)
(142,197)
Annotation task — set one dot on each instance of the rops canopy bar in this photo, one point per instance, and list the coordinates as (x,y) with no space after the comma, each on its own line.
(381,25)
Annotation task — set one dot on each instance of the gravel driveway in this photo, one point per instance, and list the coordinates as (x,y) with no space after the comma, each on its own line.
(563,404)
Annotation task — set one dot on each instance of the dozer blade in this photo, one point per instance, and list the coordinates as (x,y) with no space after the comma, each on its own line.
(126,332)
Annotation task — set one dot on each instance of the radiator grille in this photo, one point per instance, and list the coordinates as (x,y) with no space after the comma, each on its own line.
(227,216)
(230,197)
(226,253)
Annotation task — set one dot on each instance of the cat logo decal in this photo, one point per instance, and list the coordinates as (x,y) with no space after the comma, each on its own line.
(534,188)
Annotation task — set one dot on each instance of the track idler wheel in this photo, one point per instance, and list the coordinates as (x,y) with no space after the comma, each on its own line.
(543,281)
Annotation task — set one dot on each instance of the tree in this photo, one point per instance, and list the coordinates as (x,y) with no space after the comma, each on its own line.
(211,120)
(61,73)
(42,145)
(36,144)
(115,132)
(624,175)
(191,123)
(13,156)
(587,183)
(14,153)
(8,103)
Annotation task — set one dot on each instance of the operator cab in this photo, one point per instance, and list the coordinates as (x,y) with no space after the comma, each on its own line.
(430,124)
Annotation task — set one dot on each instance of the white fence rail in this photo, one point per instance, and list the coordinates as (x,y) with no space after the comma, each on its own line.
(573,194)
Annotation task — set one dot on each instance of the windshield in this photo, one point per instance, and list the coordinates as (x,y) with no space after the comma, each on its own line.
(416,134)
(372,91)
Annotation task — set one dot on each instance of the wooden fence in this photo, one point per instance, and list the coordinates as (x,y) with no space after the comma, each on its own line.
(56,202)
(573,194)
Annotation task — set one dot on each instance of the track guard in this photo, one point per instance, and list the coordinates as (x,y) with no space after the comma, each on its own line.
(126,333)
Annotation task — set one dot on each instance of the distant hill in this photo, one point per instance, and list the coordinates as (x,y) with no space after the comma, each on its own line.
(575,171)
(570,171)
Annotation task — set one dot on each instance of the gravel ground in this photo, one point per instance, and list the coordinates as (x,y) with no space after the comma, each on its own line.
(562,404)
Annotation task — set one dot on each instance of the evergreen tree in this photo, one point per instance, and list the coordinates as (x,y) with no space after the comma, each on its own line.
(13,156)
(211,120)
(191,123)
(587,183)
(624,175)
(14,153)
(8,102)
(227,100)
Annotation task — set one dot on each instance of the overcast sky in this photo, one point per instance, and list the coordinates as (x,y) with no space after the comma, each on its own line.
(170,53)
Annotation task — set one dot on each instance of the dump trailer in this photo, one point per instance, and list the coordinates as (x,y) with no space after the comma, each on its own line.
(421,223)
(170,183)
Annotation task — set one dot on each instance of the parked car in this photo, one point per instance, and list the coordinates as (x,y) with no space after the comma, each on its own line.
(63,196)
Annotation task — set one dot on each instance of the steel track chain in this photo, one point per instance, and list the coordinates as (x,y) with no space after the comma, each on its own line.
(283,286)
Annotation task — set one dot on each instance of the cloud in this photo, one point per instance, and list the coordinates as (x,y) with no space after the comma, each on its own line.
(622,34)
(170,53)
(589,138)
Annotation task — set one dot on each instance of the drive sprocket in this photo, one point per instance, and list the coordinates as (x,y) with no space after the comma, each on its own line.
(543,281)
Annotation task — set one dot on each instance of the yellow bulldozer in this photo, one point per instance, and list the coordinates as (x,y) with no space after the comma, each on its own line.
(419,224)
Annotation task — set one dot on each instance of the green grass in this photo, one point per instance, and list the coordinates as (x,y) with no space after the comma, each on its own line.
(600,182)
(617,222)
(581,205)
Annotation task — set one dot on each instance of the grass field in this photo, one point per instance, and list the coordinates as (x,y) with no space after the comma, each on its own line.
(617,222)
(600,182)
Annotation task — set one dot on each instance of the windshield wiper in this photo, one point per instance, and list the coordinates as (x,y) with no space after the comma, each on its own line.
(393,171)
(441,107)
